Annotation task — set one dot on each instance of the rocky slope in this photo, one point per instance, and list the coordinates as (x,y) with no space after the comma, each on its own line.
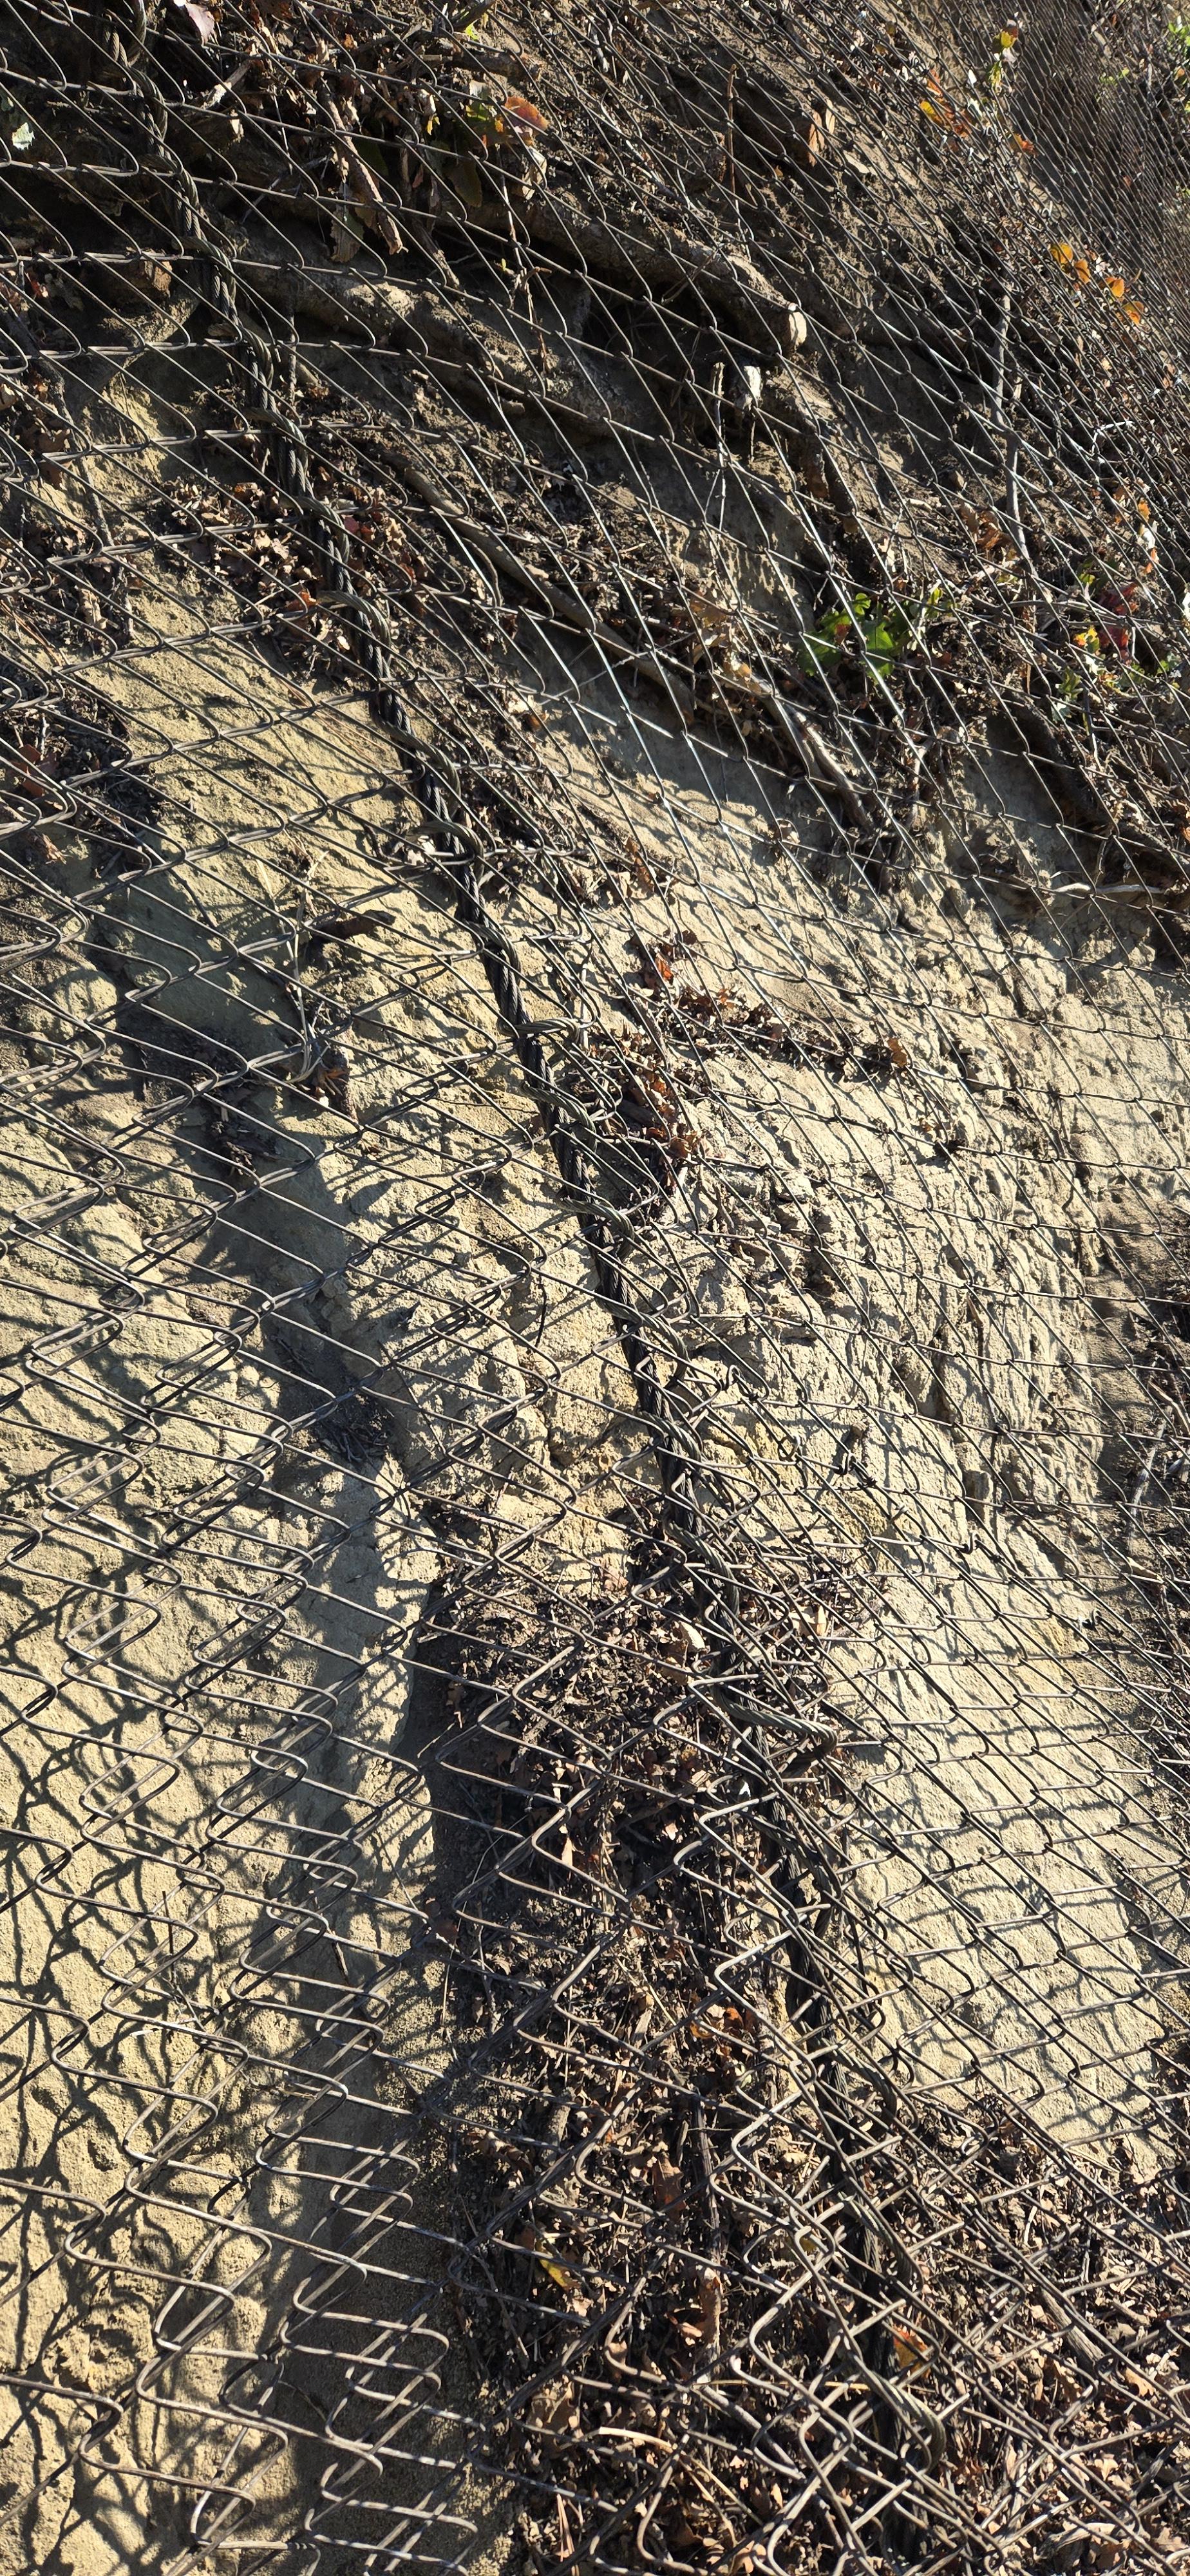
(595,1105)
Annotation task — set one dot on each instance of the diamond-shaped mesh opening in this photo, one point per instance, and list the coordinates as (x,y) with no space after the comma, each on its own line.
(596,1303)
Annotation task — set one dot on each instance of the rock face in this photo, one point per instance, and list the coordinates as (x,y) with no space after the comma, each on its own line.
(596,1343)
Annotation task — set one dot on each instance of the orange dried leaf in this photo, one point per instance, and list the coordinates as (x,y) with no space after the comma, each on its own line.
(523,110)
(938,107)
(911,2351)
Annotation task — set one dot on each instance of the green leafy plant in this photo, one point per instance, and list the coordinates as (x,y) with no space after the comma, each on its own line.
(870,634)
(878,635)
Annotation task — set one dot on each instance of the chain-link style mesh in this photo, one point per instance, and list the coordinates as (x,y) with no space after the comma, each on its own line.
(596,1311)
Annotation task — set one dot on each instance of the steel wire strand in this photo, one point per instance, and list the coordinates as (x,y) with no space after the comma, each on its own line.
(498,963)
(839,2242)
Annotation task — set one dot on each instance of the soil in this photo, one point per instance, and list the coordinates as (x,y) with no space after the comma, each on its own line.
(318,1416)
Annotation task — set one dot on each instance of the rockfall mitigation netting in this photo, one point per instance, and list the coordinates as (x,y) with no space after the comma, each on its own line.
(596,1304)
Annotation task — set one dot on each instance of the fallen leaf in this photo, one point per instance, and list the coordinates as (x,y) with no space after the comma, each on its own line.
(938,108)
(666,2181)
(524,112)
(465,179)
(813,2244)
(347,239)
(203,20)
(911,2352)
(553,2410)
(558,2273)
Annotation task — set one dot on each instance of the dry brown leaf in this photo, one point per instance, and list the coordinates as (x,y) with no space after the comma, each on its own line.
(666,2180)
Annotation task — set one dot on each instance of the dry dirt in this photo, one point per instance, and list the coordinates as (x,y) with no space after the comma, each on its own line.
(255,1357)
(938,1385)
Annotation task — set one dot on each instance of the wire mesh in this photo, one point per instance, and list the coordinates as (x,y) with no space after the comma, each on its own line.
(597,1292)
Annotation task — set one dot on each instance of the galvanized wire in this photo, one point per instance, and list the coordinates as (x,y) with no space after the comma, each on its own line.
(596,1313)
